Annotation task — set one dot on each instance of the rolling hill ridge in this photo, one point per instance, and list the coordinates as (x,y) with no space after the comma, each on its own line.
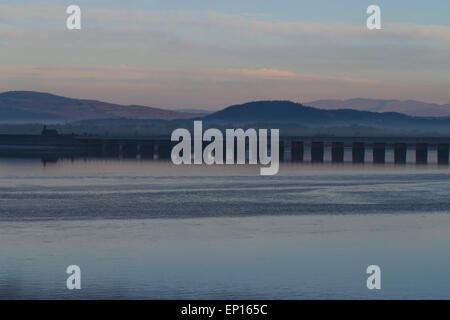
(37,106)
(409,107)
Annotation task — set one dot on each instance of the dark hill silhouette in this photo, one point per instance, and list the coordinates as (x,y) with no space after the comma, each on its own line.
(287,111)
(44,107)
(288,116)
(37,106)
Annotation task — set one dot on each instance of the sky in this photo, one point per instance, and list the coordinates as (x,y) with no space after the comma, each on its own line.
(210,54)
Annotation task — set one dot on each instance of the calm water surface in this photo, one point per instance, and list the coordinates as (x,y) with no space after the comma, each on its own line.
(150,230)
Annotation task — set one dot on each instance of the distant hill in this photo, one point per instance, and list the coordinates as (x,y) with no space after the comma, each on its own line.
(409,107)
(37,106)
(291,118)
(28,106)
(287,111)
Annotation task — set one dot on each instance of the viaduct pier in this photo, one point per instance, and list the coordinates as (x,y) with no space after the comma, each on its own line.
(298,149)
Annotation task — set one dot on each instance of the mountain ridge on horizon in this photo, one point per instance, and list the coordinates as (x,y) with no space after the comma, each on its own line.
(39,106)
(291,117)
(408,107)
(293,112)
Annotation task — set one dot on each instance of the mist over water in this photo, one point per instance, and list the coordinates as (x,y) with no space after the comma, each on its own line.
(149,229)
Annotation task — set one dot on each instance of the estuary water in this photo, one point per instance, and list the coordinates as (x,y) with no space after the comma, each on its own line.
(151,230)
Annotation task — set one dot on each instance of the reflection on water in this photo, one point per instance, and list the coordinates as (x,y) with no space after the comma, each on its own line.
(149,229)
(54,155)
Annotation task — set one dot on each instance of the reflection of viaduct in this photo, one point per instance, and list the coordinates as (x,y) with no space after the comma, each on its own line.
(316,148)
(375,147)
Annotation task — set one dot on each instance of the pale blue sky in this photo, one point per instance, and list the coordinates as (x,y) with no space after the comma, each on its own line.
(208,54)
(326,11)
